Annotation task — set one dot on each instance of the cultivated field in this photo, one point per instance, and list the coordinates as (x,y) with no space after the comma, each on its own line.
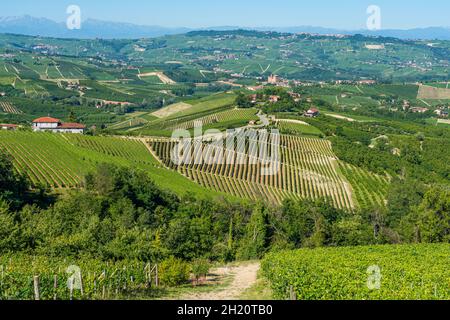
(101,280)
(307,169)
(7,107)
(164,79)
(297,127)
(172,109)
(408,272)
(369,189)
(61,161)
(241,115)
(433,93)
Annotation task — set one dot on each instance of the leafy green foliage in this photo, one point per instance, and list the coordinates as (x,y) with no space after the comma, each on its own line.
(255,240)
(174,272)
(200,268)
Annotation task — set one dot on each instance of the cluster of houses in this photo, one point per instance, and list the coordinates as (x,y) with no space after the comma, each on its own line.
(366,82)
(441,112)
(275,98)
(419,110)
(75,86)
(277,81)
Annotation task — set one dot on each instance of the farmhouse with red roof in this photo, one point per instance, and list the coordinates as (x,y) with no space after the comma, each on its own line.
(312,113)
(55,125)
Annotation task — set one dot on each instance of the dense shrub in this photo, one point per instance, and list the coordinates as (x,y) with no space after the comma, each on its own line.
(173,272)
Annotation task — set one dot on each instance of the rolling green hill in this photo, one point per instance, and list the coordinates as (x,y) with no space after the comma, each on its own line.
(61,161)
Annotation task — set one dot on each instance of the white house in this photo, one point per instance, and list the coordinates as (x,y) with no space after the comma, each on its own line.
(312,113)
(441,113)
(55,125)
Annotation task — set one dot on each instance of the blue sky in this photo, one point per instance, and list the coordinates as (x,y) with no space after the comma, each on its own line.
(345,14)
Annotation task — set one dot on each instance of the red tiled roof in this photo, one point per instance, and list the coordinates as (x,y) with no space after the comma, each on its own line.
(46,120)
(313,110)
(8,125)
(71,126)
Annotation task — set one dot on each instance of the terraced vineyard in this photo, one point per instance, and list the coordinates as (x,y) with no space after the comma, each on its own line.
(307,169)
(7,107)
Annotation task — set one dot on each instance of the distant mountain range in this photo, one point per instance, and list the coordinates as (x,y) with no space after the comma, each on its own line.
(91,28)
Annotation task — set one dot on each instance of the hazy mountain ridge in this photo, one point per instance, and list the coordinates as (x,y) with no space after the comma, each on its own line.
(91,28)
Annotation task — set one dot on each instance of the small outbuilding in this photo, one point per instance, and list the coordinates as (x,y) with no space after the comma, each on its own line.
(5,126)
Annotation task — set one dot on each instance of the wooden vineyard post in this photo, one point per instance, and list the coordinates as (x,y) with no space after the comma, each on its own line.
(95,284)
(36,288)
(156,277)
(81,284)
(1,281)
(148,275)
(71,283)
(103,287)
(55,287)
(292,294)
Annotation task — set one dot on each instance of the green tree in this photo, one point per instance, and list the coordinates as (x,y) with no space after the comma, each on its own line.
(243,101)
(12,185)
(434,216)
(72,116)
(255,241)
(403,195)
(9,230)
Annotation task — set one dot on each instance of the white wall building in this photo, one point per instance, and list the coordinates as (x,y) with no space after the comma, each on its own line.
(55,125)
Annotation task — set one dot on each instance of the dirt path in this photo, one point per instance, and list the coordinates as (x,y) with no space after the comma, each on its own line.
(340,117)
(243,277)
